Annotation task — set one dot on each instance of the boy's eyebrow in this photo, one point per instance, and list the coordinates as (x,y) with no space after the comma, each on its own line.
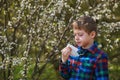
(78,33)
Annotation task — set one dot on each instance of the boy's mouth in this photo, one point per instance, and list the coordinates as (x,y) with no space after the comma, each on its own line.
(78,43)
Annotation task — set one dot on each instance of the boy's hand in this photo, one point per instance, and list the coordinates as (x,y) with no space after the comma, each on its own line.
(65,53)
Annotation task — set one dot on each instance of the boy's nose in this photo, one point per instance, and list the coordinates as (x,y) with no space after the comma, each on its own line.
(76,37)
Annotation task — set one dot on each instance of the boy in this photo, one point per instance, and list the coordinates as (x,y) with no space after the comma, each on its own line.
(92,63)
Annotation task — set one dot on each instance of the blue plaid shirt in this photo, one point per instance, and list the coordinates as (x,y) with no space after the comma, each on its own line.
(91,64)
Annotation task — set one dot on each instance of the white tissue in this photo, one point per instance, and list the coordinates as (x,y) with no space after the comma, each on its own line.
(74,50)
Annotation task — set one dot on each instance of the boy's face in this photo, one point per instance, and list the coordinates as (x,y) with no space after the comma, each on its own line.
(82,38)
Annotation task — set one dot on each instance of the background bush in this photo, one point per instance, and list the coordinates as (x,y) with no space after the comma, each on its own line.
(32,33)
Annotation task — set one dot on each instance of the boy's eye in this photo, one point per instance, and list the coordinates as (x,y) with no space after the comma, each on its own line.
(80,34)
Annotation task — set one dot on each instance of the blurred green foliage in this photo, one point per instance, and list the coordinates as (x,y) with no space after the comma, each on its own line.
(32,33)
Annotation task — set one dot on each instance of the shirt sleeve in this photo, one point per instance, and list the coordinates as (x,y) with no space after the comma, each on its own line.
(64,69)
(101,70)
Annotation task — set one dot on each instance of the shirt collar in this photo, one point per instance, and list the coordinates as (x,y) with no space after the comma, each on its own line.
(92,49)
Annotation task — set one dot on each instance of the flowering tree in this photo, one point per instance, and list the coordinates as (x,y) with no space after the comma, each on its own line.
(32,33)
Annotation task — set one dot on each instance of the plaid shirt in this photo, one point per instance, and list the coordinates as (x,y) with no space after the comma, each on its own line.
(92,64)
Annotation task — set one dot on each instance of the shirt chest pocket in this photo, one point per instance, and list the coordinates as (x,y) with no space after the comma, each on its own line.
(86,67)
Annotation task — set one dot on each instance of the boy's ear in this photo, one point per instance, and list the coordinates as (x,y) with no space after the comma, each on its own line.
(93,34)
